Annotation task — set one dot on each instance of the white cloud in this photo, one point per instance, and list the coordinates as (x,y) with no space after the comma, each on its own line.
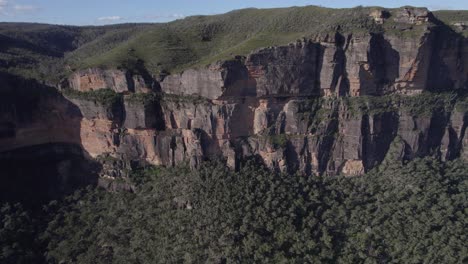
(164,17)
(142,18)
(3,4)
(25,8)
(178,16)
(8,8)
(110,18)
(440,7)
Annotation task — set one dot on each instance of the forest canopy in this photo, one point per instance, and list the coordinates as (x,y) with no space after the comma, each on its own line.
(412,213)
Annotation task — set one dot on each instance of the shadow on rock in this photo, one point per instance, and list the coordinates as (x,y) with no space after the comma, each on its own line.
(41,157)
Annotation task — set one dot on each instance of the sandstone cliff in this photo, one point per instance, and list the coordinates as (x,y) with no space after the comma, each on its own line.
(338,103)
(418,53)
(41,151)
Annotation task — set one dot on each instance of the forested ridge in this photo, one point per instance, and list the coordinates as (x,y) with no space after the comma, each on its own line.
(412,213)
(51,52)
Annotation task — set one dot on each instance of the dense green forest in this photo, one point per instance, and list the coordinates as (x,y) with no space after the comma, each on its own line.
(412,213)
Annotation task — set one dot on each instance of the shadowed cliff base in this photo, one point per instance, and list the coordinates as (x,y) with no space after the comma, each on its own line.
(41,157)
(37,174)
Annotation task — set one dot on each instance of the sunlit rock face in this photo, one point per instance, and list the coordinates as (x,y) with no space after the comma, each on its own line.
(118,80)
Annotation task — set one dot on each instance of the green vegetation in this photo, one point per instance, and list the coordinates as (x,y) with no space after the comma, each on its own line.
(106,97)
(404,30)
(429,103)
(181,99)
(413,213)
(462,104)
(200,40)
(38,51)
(279,141)
(423,104)
(317,110)
(18,240)
(450,17)
(50,52)
(142,98)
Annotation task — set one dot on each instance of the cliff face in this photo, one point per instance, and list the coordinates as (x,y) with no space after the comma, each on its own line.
(331,104)
(427,57)
(41,152)
(117,80)
(310,135)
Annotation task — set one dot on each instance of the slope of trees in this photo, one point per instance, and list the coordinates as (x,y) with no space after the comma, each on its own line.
(413,213)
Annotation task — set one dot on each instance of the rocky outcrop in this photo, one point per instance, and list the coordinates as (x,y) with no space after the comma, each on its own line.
(142,112)
(33,114)
(406,60)
(409,52)
(337,103)
(41,155)
(117,80)
(412,15)
(287,70)
(309,135)
(221,79)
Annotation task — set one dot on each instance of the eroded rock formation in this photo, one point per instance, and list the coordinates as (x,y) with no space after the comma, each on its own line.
(41,151)
(118,80)
(332,104)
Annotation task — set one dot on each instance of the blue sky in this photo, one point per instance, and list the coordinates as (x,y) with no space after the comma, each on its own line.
(98,12)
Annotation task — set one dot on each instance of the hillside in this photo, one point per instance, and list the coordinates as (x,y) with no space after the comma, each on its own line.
(200,40)
(286,135)
(43,51)
(39,50)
